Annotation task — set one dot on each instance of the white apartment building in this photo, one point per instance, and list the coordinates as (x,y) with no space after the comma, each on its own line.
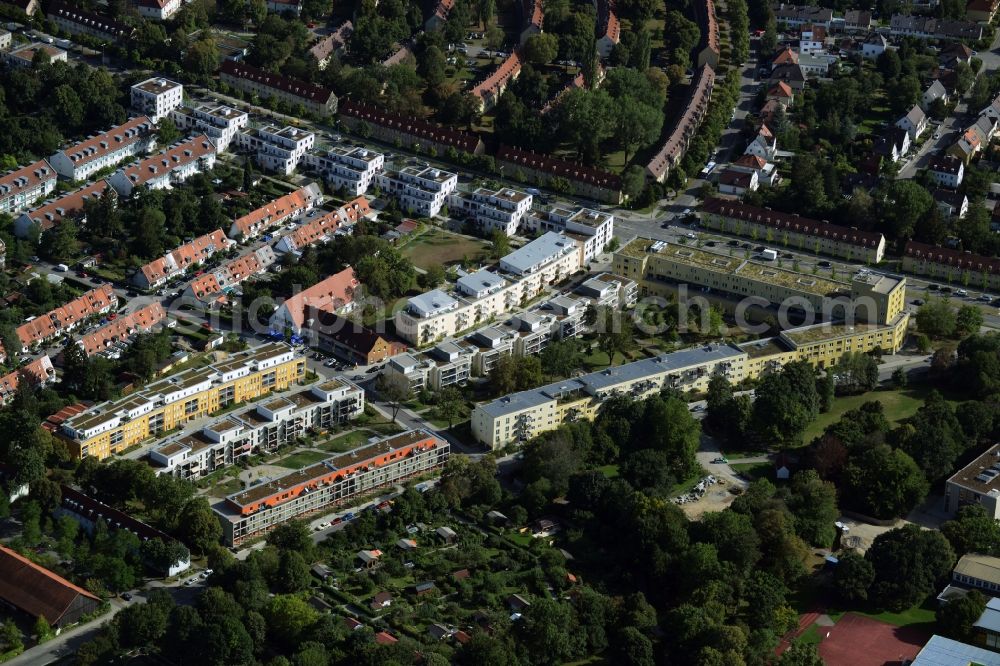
(263,429)
(521,416)
(219,123)
(501,210)
(608,289)
(81,160)
(946,170)
(157,97)
(444,365)
(174,165)
(593,229)
(485,294)
(352,169)
(421,191)
(275,149)
(21,188)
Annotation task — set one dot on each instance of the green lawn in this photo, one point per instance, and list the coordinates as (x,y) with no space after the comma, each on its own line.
(810,635)
(436,247)
(346,442)
(753,471)
(898,405)
(609,471)
(923,614)
(302,459)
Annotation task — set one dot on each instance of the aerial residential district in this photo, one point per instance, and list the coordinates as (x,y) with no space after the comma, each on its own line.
(499,332)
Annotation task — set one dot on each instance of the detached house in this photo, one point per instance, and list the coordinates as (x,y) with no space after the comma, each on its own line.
(993,110)
(791,74)
(874,46)
(946,170)
(782,93)
(951,203)
(894,144)
(935,91)
(764,145)
(914,122)
(767,174)
(736,182)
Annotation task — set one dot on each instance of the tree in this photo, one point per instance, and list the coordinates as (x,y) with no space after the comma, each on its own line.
(786,402)
(636,124)
(431,277)
(909,563)
(856,372)
(199,528)
(813,502)
(393,393)
(162,554)
(167,133)
(933,437)
(634,648)
(59,244)
(42,629)
(548,632)
(883,482)
(972,531)
(288,617)
(968,320)
(561,358)
(292,536)
(258,11)
(801,654)
(541,48)
(450,405)
(956,617)
(936,318)
(202,58)
(499,244)
(293,572)
(853,576)
(432,65)
(899,378)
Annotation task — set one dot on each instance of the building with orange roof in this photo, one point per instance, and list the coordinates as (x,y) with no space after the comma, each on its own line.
(160,10)
(534,18)
(672,151)
(174,165)
(782,92)
(316,99)
(335,294)
(709,53)
(66,317)
(76,21)
(584,180)
(766,172)
(122,328)
(321,226)
(330,483)
(38,592)
(440,14)
(787,56)
(211,287)
(981,11)
(489,90)
(133,137)
(158,271)
(39,371)
(609,28)
(277,212)
(25,185)
(53,212)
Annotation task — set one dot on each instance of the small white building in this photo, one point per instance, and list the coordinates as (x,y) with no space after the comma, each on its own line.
(219,123)
(5,40)
(914,122)
(490,210)
(764,145)
(421,191)
(935,91)
(277,149)
(874,46)
(159,10)
(946,170)
(352,169)
(157,97)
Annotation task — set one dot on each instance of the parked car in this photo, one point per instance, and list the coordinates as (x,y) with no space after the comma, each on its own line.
(721,460)
(824,264)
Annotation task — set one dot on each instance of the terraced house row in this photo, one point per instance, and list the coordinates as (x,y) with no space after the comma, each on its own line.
(65,318)
(113,426)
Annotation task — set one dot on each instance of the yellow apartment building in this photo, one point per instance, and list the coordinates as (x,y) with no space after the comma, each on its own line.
(114,426)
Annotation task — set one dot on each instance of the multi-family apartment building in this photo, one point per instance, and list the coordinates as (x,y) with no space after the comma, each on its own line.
(976,483)
(487,92)
(277,212)
(608,289)
(790,230)
(79,161)
(799,15)
(657,266)
(276,149)
(53,212)
(120,330)
(928,27)
(350,340)
(446,364)
(21,188)
(352,169)
(492,210)
(161,171)
(284,6)
(324,49)
(672,151)
(219,123)
(592,229)
(583,180)
(76,21)
(111,427)
(422,191)
(335,294)
(180,259)
(38,372)
(212,286)
(157,97)
(412,132)
(489,294)
(319,226)
(315,99)
(66,317)
(272,423)
(6,40)
(159,10)
(328,484)
(24,56)
(948,265)
(946,170)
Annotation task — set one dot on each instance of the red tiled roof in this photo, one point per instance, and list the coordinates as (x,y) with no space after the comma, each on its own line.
(121,328)
(186,255)
(780,89)
(331,294)
(273,213)
(752,161)
(89,20)
(172,158)
(291,86)
(36,590)
(108,142)
(320,227)
(415,127)
(507,70)
(322,49)
(52,213)
(38,371)
(790,222)
(443,8)
(959,259)
(65,316)
(227,275)
(385,638)
(736,178)
(535,13)
(672,150)
(559,167)
(26,178)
